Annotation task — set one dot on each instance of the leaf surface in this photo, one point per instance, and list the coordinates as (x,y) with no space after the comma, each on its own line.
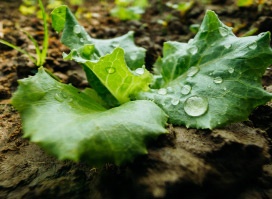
(71,125)
(213,80)
(113,73)
(74,36)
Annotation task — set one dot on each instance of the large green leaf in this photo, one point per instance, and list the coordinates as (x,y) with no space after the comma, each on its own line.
(113,72)
(74,36)
(71,125)
(215,79)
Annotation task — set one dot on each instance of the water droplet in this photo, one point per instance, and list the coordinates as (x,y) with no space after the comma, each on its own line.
(190,41)
(77,29)
(193,50)
(110,70)
(196,106)
(170,89)
(133,56)
(81,40)
(231,70)
(227,46)
(224,88)
(192,71)
(162,91)
(186,89)
(261,34)
(218,80)
(253,46)
(139,71)
(223,31)
(115,44)
(175,101)
(59,97)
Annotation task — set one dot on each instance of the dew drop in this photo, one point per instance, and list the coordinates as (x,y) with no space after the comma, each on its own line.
(192,71)
(253,46)
(59,97)
(231,70)
(223,31)
(162,91)
(196,106)
(139,71)
(218,80)
(115,44)
(227,46)
(193,50)
(224,88)
(77,29)
(175,101)
(133,56)
(170,89)
(81,40)
(110,70)
(185,90)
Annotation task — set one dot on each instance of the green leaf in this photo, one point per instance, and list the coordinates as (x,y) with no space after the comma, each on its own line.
(130,13)
(113,72)
(215,79)
(74,36)
(58,18)
(71,125)
(244,2)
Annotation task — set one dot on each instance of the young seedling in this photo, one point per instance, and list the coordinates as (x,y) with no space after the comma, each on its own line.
(129,10)
(41,55)
(210,82)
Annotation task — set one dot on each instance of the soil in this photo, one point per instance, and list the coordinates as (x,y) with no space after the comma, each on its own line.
(232,162)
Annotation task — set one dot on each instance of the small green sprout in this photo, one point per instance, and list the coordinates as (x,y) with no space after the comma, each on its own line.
(41,55)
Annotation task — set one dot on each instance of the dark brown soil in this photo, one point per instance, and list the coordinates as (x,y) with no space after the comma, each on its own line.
(233,162)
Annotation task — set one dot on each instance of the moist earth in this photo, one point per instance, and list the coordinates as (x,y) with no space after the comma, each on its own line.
(231,162)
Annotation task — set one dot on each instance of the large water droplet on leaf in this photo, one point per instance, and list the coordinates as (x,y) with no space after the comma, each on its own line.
(139,71)
(175,101)
(196,106)
(110,70)
(231,70)
(218,80)
(185,90)
(162,91)
(193,50)
(192,71)
(77,29)
(223,31)
(253,46)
